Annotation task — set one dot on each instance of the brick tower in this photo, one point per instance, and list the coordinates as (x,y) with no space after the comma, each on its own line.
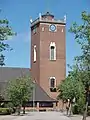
(48,58)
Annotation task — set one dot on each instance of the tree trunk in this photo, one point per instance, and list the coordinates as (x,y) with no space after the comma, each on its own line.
(18,109)
(24,110)
(62,109)
(70,109)
(85,112)
(67,110)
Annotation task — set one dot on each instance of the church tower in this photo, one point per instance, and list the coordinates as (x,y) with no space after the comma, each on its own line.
(48,57)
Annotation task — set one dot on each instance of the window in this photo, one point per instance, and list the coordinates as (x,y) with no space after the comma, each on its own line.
(35,29)
(52,84)
(34,53)
(52,51)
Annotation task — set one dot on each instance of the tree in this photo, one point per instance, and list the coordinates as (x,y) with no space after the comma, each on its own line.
(71,88)
(5,33)
(2,60)
(19,91)
(82,36)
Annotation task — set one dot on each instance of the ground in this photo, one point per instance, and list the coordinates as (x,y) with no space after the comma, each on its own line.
(78,117)
(41,116)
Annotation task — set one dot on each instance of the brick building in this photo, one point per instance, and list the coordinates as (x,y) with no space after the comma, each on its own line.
(48,62)
(48,58)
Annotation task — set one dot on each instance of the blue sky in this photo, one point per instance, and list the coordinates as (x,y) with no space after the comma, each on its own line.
(18,12)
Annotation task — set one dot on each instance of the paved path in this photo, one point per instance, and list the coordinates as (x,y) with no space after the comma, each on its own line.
(37,116)
(42,116)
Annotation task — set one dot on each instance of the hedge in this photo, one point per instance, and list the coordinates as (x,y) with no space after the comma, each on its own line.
(6,111)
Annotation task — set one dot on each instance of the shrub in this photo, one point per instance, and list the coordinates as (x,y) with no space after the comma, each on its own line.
(88,112)
(6,111)
(75,109)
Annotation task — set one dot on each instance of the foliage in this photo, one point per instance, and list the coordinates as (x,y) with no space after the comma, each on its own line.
(20,90)
(75,108)
(88,112)
(80,72)
(6,111)
(1,101)
(5,33)
(1,98)
(81,104)
(82,36)
(70,88)
(9,105)
(2,57)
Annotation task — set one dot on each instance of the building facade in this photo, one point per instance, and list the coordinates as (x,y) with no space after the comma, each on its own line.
(48,63)
(48,57)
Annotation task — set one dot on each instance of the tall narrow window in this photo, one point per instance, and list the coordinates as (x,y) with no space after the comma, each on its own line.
(34,53)
(52,51)
(35,29)
(52,84)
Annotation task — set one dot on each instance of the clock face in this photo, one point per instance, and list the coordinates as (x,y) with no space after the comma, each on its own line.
(52,27)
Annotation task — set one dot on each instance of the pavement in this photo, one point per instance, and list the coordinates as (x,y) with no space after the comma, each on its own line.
(78,117)
(41,116)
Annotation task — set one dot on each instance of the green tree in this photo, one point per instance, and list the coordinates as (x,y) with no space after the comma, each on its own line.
(19,91)
(5,33)
(2,57)
(71,88)
(82,36)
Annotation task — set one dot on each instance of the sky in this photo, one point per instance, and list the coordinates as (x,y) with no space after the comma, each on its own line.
(19,12)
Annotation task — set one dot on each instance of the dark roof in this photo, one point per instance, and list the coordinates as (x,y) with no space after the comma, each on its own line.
(40,95)
(8,73)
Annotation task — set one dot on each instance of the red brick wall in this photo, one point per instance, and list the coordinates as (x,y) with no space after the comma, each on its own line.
(35,66)
(49,68)
(43,68)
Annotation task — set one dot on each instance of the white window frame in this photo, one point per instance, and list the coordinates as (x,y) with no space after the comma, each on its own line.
(50,82)
(35,53)
(52,44)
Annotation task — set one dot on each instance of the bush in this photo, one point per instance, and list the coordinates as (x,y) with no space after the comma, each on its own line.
(9,105)
(75,109)
(6,111)
(88,112)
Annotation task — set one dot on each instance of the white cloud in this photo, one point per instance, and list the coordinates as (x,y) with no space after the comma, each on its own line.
(23,37)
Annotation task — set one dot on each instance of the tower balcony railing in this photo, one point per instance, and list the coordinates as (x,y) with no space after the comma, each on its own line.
(62,21)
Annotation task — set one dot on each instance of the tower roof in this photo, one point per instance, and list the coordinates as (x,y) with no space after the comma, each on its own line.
(47,18)
(48,14)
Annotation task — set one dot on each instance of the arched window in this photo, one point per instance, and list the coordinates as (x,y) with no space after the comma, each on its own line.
(52,51)
(34,53)
(52,82)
